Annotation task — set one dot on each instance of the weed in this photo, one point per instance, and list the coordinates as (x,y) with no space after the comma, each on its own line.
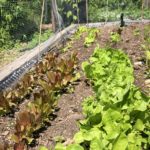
(136,32)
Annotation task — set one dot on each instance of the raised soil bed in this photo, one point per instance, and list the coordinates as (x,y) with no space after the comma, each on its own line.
(69,111)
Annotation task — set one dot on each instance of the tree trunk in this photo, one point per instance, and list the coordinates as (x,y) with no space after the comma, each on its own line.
(53,21)
(57,21)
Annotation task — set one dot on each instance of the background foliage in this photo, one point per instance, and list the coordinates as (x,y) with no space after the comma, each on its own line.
(20,18)
(100,11)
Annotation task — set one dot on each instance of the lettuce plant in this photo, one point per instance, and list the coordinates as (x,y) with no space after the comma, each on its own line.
(90,39)
(49,83)
(118,115)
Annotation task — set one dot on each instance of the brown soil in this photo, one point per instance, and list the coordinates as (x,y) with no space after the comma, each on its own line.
(70,111)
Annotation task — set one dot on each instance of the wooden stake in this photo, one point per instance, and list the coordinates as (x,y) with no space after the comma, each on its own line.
(87,14)
(42,14)
(53,21)
(77,11)
(142,11)
(107,12)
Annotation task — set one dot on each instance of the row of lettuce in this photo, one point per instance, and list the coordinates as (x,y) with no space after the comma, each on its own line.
(42,85)
(117,116)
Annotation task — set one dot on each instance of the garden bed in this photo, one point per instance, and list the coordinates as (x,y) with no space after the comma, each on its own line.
(63,124)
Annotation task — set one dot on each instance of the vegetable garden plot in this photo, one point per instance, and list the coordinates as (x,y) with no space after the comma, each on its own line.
(111,76)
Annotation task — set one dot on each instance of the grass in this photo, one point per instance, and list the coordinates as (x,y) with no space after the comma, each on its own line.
(34,42)
(8,55)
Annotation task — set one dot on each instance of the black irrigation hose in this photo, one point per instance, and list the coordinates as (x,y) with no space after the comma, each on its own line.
(13,77)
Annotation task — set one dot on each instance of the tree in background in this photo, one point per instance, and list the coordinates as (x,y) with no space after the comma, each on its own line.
(19,20)
(147,3)
(57,20)
(11,16)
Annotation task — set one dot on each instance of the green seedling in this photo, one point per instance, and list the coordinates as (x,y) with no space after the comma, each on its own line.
(67,47)
(136,32)
(80,31)
(115,37)
(91,37)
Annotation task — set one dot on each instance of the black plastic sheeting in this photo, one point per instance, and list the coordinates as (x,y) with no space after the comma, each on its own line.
(13,77)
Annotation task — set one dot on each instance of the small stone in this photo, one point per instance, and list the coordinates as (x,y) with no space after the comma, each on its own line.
(5,133)
(147,83)
(60,119)
(68,141)
(77,117)
(70,111)
(139,63)
(127,40)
